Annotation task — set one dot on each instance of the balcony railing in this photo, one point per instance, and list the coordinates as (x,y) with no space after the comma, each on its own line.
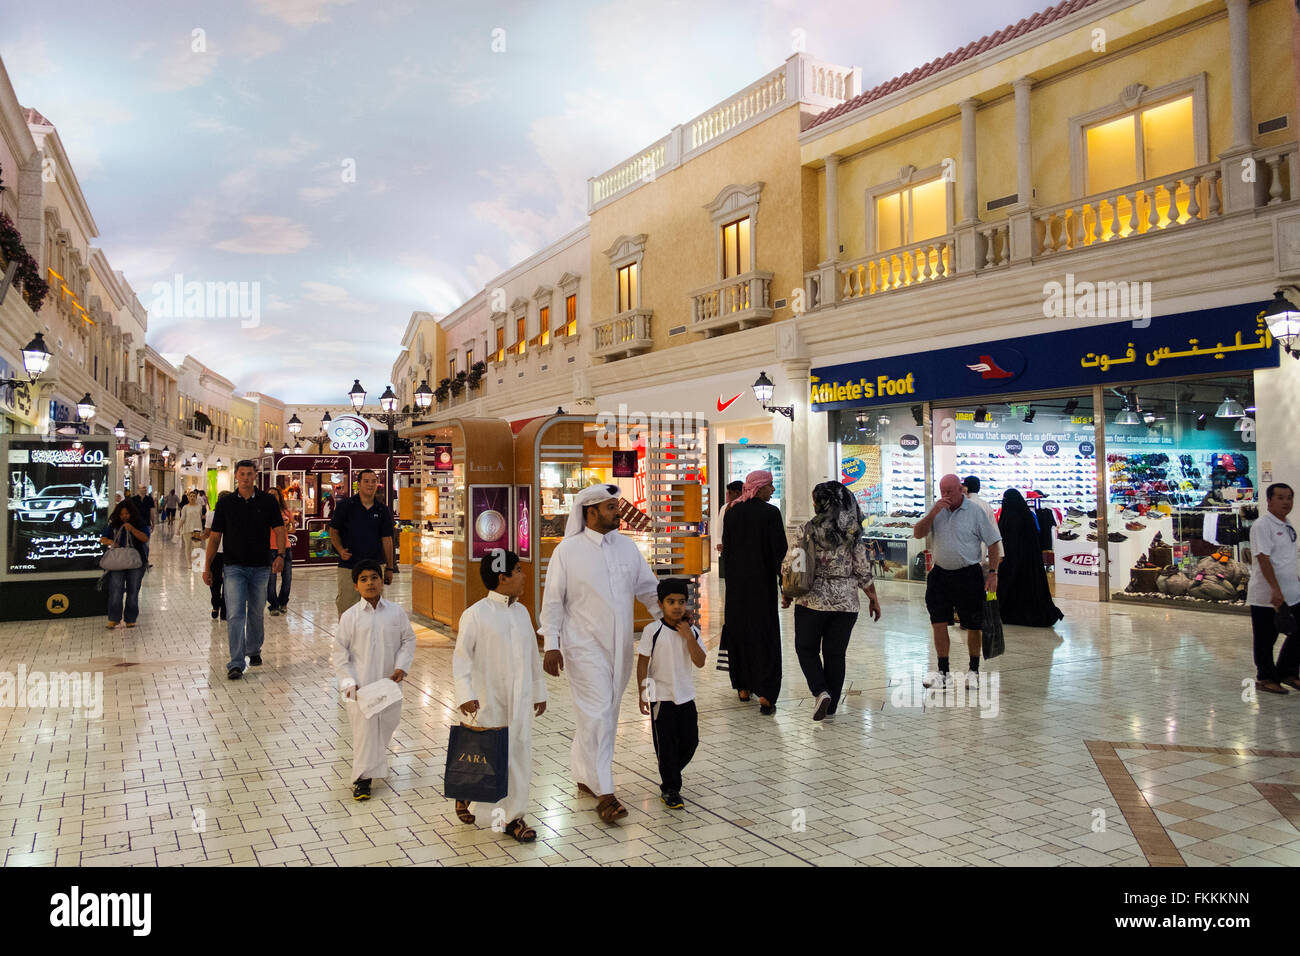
(138,400)
(627,333)
(921,262)
(1155,207)
(1169,202)
(738,302)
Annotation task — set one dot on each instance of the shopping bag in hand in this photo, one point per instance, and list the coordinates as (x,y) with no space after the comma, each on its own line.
(993,642)
(477,759)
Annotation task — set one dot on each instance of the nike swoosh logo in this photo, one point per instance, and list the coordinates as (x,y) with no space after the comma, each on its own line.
(723,406)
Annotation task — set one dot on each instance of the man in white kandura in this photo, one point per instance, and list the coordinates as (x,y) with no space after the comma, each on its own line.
(586,620)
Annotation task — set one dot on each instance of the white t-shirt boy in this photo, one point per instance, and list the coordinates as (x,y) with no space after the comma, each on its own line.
(670,663)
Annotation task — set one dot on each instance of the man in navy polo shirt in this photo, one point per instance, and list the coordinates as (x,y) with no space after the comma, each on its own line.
(243,523)
(361,530)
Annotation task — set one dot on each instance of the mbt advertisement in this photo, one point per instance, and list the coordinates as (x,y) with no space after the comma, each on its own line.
(57,498)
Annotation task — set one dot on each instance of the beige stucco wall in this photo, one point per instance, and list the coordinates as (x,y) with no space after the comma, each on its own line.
(682,246)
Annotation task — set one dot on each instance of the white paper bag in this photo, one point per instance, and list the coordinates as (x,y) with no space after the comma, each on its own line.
(378,696)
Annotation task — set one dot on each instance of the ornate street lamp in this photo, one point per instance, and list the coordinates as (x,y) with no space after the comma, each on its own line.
(144,442)
(763,392)
(86,408)
(119,430)
(358,394)
(294,425)
(1283,320)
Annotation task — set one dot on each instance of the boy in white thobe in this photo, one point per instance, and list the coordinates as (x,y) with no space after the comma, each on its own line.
(498,675)
(586,619)
(375,640)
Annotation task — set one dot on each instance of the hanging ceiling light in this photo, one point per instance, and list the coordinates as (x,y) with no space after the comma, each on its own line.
(1201,419)
(1128,415)
(862,420)
(882,420)
(1231,408)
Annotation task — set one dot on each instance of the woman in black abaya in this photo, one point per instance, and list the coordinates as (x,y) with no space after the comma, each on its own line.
(753,546)
(1023,595)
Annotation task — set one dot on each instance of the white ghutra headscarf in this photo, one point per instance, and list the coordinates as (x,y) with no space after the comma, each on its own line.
(587,496)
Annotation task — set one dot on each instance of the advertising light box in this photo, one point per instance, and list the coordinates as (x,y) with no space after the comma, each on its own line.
(56,503)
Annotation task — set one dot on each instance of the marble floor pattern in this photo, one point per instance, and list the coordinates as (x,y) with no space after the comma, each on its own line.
(1125,737)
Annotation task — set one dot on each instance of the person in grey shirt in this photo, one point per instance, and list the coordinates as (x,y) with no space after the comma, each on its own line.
(956,582)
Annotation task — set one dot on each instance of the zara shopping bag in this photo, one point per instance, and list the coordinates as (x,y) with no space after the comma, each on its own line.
(477,759)
(993,642)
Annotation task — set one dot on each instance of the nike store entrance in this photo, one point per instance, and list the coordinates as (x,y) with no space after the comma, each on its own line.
(1144,489)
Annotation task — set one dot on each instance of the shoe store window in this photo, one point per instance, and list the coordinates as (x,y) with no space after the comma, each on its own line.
(882,462)
(1182,490)
(1045,450)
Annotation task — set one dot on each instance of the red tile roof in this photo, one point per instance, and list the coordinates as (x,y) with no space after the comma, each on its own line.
(34,118)
(969,51)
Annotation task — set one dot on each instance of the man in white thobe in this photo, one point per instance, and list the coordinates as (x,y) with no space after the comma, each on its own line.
(586,619)
(498,675)
(374,641)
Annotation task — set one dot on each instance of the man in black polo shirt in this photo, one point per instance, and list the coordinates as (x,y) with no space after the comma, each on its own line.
(242,523)
(361,530)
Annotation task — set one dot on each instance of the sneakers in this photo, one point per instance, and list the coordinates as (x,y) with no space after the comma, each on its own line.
(1116,536)
(1067,536)
(273,611)
(940,679)
(672,799)
(255,660)
(973,680)
(234,673)
(1134,526)
(361,789)
(823,705)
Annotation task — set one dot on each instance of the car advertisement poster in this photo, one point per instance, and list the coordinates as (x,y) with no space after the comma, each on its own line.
(56,503)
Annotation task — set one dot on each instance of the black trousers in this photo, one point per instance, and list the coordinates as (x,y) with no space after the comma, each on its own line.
(1288,659)
(676,732)
(821,641)
(215,588)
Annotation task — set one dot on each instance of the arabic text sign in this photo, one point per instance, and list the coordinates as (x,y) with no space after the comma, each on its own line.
(1208,342)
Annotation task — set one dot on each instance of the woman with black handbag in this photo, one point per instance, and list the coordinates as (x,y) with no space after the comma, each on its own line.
(824,615)
(126,536)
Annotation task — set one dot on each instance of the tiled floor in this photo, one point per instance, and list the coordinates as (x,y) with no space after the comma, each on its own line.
(185,767)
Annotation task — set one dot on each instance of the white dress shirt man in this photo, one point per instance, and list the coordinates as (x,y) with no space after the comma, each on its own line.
(586,620)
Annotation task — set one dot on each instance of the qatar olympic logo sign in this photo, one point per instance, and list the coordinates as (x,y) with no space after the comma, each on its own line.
(350,433)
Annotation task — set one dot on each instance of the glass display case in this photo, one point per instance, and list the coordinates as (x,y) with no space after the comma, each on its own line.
(438,520)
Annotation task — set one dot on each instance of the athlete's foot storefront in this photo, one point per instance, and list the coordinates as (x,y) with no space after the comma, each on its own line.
(1144,487)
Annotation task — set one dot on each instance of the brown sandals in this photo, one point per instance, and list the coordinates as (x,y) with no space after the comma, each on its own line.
(609,809)
(521,831)
(462,812)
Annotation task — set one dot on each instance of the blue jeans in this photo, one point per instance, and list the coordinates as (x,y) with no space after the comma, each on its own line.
(286,576)
(244,589)
(124,584)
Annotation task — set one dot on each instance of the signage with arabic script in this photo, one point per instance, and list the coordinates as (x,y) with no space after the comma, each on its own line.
(56,505)
(1208,342)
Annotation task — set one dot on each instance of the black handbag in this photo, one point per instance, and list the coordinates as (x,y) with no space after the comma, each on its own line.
(994,644)
(477,764)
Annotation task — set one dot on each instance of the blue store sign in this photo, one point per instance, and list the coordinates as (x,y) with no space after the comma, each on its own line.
(1209,342)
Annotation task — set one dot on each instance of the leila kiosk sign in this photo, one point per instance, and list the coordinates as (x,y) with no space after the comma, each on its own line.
(350,433)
